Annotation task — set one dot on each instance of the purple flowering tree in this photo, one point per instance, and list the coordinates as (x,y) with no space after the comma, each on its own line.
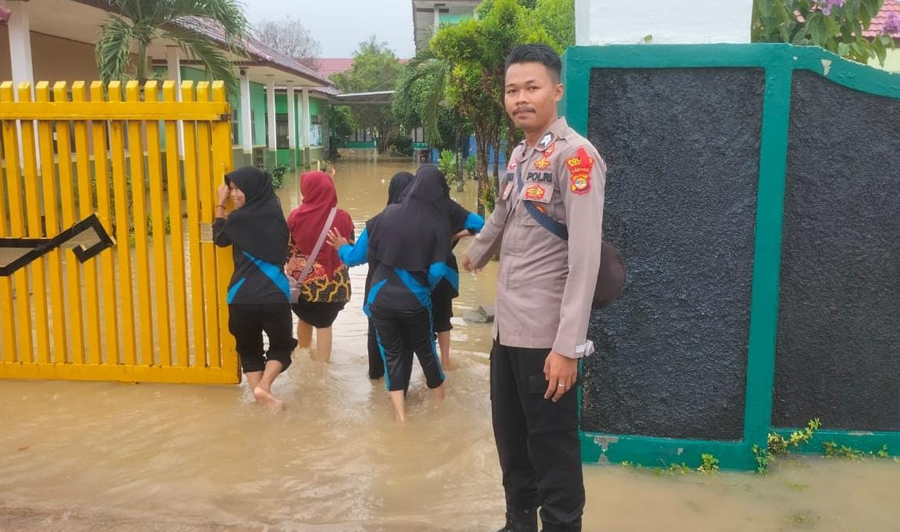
(836,25)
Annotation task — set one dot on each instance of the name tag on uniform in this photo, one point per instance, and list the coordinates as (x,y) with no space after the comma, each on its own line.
(508,190)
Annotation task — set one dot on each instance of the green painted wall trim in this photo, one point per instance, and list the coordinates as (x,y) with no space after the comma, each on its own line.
(778,61)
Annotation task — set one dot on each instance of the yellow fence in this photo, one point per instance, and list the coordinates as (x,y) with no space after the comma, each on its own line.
(150,308)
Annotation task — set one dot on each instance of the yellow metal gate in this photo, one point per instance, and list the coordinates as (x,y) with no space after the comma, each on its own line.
(151,307)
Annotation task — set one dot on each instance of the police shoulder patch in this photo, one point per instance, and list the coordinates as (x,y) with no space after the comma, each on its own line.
(580,166)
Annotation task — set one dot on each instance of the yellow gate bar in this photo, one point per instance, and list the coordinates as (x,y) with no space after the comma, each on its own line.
(192,199)
(85,209)
(33,210)
(173,180)
(160,275)
(139,111)
(74,313)
(104,213)
(120,193)
(17,228)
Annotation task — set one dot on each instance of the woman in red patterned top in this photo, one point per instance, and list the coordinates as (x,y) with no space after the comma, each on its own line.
(326,288)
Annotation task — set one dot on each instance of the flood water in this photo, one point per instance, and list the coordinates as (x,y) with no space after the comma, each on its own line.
(99,456)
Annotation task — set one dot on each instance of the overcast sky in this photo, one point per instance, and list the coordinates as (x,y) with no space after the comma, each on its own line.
(340,25)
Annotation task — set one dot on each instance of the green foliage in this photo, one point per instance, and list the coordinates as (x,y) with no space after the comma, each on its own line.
(447,164)
(833,450)
(762,460)
(135,24)
(402,145)
(709,464)
(470,170)
(779,445)
(277,174)
(835,25)
(375,68)
(342,122)
(558,17)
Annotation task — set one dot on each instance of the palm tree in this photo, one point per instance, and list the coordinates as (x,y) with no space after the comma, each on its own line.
(180,21)
(428,67)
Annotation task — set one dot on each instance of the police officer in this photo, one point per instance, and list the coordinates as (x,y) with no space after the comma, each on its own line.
(547,225)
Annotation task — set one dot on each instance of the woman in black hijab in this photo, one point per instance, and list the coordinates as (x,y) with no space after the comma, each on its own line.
(259,292)
(408,244)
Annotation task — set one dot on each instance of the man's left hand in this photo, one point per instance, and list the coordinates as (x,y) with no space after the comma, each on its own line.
(561,373)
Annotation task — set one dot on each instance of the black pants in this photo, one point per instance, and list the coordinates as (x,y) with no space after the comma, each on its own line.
(537,439)
(247,323)
(397,332)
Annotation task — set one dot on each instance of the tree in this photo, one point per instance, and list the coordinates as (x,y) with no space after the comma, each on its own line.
(342,123)
(558,17)
(475,52)
(139,22)
(291,38)
(836,25)
(375,68)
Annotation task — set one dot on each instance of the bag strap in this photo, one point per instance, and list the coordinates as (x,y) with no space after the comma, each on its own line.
(311,259)
(540,217)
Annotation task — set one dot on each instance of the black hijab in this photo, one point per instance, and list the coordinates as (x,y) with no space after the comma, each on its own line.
(415,233)
(399,183)
(258,227)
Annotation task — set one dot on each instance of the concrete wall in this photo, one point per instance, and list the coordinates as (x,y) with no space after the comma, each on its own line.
(668,21)
(76,64)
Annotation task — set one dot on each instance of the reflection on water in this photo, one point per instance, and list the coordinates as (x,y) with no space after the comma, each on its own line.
(96,456)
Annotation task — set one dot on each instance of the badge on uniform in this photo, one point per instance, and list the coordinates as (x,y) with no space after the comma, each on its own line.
(545,141)
(512,162)
(580,167)
(542,164)
(535,193)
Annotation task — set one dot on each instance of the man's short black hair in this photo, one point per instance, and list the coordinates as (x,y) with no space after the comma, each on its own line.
(536,53)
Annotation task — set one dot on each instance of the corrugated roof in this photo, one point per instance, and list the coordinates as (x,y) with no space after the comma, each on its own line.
(891,9)
(254,48)
(326,66)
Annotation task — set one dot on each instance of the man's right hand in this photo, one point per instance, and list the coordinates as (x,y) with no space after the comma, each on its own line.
(467,264)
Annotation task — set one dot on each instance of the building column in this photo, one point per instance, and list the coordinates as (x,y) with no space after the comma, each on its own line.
(246,117)
(19,26)
(698,22)
(270,122)
(292,125)
(305,122)
(173,72)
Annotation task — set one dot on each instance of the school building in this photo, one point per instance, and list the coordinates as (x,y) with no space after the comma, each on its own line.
(280,117)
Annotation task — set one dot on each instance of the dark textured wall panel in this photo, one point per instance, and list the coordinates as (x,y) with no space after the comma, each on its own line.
(838,351)
(682,147)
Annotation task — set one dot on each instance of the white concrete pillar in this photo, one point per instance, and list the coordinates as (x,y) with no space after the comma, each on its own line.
(20,43)
(292,117)
(437,18)
(246,115)
(270,113)
(698,21)
(173,72)
(305,121)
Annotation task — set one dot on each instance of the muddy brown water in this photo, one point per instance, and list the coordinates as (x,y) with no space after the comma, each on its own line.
(101,456)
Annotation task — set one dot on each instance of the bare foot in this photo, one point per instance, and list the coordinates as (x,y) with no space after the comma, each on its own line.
(445,363)
(265,398)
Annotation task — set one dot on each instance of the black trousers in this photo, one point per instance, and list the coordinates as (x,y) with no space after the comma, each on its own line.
(376,364)
(247,323)
(397,332)
(537,439)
